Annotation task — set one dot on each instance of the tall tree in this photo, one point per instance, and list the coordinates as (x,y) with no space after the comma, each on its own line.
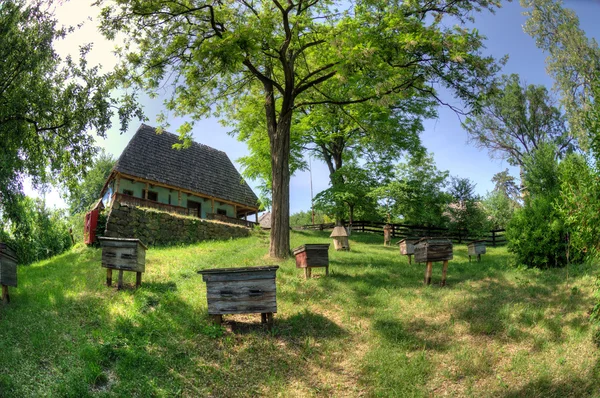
(573,62)
(83,194)
(506,184)
(216,55)
(371,133)
(465,212)
(48,105)
(349,192)
(415,194)
(517,120)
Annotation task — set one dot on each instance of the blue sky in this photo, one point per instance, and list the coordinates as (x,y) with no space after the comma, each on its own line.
(444,136)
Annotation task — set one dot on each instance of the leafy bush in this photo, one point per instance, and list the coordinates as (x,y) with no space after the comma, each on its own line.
(578,205)
(537,234)
(40,232)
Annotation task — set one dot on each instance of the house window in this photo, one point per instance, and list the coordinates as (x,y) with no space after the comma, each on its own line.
(128,192)
(151,195)
(222,212)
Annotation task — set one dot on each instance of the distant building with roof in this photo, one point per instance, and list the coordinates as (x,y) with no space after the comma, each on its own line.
(265,220)
(199,181)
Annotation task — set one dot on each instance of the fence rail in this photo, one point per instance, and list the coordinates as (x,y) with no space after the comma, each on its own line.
(401,231)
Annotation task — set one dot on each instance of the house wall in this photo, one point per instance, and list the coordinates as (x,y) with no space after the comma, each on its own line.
(155,227)
(163,197)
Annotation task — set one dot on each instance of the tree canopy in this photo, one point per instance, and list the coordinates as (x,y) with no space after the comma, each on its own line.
(48,105)
(415,194)
(86,191)
(573,62)
(216,56)
(517,120)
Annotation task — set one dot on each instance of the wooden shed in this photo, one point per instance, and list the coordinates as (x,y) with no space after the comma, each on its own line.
(123,254)
(241,291)
(312,255)
(476,248)
(8,270)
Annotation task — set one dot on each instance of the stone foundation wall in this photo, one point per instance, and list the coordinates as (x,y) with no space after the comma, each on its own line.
(154,227)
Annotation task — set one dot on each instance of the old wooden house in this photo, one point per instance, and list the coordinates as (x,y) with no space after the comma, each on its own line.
(199,181)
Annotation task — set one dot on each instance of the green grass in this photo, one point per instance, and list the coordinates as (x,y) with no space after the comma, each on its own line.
(369,329)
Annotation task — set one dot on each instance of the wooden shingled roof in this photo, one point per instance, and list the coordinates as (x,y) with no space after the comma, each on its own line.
(199,168)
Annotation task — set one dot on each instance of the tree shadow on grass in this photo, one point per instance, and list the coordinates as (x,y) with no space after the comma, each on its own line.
(405,335)
(505,310)
(586,385)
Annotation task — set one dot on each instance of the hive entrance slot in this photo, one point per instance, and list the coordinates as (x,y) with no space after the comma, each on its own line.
(226,293)
(256,293)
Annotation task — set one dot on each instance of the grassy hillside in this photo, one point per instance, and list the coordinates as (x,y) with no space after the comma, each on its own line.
(370,329)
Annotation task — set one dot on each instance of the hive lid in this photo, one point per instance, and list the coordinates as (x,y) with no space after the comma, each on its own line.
(8,251)
(238,270)
(106,238)
(305,246)
(414,239)
(338,231)
(437,239)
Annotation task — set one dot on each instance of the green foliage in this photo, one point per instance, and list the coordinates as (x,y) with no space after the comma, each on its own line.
(506,184)
(415,195)
(466,216)
(578,204)
(40,232)
(573,62)
(48,104)
(305,218)
(517,120)
(499,209)
(537,234)
(86,192)
(349,194)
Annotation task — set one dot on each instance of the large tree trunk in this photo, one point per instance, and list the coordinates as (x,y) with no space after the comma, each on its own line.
(280,215)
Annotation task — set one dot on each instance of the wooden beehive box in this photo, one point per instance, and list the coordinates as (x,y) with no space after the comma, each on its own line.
(8,266)
(340,238)
(476,247)
(241,290)
(407,246)
(123,254)
(312,255)
(433,249)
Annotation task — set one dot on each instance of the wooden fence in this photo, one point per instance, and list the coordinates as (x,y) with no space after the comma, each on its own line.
(401,231)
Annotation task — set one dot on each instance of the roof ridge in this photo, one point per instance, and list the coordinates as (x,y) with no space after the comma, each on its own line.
(177,137)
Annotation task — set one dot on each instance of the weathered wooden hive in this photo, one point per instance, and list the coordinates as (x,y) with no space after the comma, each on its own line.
(387,235)
(8,270)
(407,246)
(476,248)
(340,238)
(312,255)
(433,249)
(123,254)
(241,291)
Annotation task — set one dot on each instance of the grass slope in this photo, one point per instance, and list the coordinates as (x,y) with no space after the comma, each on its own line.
(370,329)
